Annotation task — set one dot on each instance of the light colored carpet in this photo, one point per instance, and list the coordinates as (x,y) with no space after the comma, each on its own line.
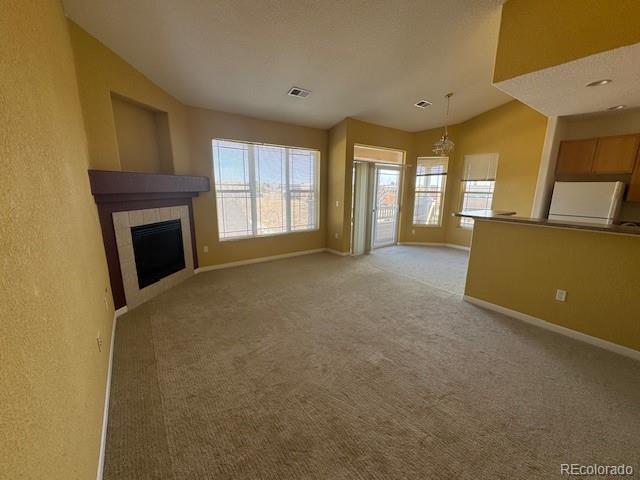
(325,367)
(443,268)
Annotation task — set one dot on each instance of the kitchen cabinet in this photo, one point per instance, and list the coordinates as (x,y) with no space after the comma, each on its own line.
(576,156)
(616,154)
(633,193)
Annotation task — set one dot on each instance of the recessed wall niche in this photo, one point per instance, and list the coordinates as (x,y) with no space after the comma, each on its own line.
(144,143)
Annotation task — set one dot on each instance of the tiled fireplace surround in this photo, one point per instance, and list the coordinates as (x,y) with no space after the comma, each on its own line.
(128,199)
(122,224)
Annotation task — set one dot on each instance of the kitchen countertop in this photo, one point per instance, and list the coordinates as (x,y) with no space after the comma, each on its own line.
(510,217)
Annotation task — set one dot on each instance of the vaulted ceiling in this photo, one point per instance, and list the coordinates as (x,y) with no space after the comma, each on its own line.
(366,59)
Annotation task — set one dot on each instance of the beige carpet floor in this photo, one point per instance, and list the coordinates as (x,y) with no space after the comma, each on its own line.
(326,367)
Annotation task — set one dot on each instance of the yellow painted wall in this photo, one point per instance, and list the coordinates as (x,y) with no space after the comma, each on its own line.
(337,211)
(204,126)
(423,148)
(514,131)
(364,133)
(520,267)
(100,73)
(140,134)
(536,34)
(54,272)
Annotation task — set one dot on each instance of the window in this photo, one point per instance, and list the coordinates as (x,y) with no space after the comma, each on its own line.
(431,178)
(478,183)
(264,189)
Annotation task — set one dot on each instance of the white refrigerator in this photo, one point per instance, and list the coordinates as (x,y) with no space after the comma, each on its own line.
(586,202)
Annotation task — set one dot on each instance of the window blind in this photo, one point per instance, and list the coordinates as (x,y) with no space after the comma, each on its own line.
(481,166)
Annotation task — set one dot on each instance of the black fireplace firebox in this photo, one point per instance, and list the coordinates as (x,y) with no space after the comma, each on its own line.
(158,251)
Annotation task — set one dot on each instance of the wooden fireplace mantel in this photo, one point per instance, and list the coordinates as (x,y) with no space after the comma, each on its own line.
(115,186)
(123,191)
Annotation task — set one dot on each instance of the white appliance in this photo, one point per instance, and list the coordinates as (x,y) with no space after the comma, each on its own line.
(586,202)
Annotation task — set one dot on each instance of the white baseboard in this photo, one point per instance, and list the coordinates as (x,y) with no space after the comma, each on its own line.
(337,252)
(257,260)
(538,322)
(436,244)
(107,394)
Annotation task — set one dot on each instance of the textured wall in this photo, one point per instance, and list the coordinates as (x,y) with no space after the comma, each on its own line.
(204,126)
(101,72)
(520,267)
(336,210)
(141,138)
(536,34)
(514,131)
(54,273)
(364,133)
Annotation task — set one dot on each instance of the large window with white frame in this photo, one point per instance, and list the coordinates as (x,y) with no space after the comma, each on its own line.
(478,184)
(431,181)
(265,189)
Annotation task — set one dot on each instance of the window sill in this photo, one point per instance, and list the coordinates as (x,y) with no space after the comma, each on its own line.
(268,235)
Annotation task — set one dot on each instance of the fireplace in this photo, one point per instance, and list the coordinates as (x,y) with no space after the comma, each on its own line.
(158,251)
(128,200)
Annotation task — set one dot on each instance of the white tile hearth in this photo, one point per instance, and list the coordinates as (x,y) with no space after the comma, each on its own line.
(122,223)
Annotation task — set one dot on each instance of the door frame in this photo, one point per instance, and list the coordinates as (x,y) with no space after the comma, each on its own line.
(373,205)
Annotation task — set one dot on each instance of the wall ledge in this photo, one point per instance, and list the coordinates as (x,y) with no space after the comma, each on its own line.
(538,322)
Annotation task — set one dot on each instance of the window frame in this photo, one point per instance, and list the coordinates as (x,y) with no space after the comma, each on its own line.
(442,193)
(254,189)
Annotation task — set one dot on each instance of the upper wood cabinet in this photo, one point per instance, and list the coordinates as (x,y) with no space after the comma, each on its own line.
(633,194)
(576,156)
(605,155)
(616,154)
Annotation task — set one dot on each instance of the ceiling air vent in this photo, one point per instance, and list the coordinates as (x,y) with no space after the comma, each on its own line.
(298,92)
(422,104)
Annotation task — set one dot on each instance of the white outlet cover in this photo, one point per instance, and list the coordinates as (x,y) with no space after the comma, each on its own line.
(206,249)
(561,295)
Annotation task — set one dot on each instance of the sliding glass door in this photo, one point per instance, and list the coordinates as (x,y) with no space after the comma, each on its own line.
(386,205)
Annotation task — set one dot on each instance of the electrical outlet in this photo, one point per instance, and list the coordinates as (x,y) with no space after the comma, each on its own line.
(206,249)
(413,231)
(99,341)
(338,203)
(561,295)
(336,235)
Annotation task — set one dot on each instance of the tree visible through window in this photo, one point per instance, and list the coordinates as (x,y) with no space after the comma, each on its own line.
(431,179)
(264,189)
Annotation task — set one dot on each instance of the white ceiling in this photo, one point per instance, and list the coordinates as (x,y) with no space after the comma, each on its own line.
(367,59)
(562,90)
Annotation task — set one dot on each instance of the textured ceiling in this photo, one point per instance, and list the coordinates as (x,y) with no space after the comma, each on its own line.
(561,90)
(367,59)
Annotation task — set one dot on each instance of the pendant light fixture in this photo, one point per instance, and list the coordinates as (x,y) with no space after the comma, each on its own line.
(444,146)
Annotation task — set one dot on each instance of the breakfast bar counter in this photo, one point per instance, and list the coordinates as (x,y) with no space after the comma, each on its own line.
(511,217)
